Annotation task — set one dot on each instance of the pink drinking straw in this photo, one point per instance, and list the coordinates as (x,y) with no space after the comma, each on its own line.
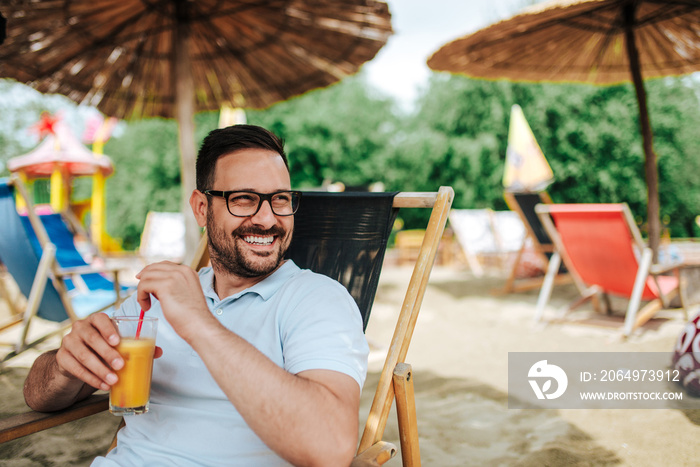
(138,328)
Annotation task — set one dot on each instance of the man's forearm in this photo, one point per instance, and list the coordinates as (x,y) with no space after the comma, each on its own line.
(46,389)
(302,419)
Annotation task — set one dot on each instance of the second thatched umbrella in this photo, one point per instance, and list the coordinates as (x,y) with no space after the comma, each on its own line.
(171,58)
(590,41)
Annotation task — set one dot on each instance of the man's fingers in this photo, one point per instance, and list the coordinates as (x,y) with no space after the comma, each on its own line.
(103,324)
(86,352)
(97,359)
(166,281)
(167,272)
(96,336)
(97,346)
(155,266)
(143,298)
(71,365)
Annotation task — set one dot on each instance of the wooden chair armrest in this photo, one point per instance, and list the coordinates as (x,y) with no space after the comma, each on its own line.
(80,270)
(32,422)
(659,269)
(375,455)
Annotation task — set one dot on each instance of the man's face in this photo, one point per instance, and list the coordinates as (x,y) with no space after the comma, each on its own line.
(249,246)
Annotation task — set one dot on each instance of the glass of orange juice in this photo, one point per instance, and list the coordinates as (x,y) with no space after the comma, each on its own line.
(131,392)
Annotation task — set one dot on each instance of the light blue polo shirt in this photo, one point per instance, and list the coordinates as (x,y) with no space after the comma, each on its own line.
(299,319)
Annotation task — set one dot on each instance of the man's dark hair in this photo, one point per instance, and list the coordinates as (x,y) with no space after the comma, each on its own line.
(227,140)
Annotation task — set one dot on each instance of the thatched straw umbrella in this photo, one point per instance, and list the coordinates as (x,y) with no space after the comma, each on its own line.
(171,58)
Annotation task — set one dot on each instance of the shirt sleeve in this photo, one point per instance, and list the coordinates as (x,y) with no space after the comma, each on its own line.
(322,328)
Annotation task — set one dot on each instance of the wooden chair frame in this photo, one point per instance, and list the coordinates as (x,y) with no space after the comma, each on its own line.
(11,302)
(396,379)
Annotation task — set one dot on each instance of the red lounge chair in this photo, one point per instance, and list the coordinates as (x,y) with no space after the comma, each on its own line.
(603,250)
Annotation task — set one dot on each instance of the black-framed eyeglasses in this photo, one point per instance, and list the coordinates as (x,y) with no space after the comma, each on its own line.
(243,203)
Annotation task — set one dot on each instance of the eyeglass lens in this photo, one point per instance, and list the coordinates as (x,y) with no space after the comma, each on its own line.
(247,204)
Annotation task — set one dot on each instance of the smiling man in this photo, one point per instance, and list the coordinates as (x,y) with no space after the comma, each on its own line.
(246,249)
(260,362)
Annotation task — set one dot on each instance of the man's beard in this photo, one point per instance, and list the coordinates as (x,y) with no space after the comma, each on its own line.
(226,252)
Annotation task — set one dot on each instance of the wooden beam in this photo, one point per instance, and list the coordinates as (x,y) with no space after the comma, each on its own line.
(31,422)
(384,395)
(415,200)
(406,412)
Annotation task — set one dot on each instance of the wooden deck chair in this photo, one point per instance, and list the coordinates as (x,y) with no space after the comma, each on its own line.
(487,237)
(59,233)
(509,231)
(536,236)
(603,251)
(34,262)
(473,229)
(163,237)
(343,235)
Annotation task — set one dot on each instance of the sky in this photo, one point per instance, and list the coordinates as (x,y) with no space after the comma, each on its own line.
(420,28)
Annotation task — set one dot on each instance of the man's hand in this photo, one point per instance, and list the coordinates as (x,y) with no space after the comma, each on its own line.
(88,352)
(179,292)
(86,361)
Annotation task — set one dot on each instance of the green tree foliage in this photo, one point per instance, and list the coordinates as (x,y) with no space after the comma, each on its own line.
(147,178)
(457,135)
(590,136)
(594,144)
(335,134)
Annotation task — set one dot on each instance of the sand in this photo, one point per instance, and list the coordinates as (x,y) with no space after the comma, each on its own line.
(459,356)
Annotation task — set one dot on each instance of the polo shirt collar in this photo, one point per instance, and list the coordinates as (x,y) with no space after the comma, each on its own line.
(265,288)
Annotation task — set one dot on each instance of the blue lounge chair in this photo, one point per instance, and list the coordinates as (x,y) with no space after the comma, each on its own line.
(67,254)
(47,272)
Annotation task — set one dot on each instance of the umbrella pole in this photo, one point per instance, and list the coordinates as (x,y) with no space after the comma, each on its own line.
(184,101)
(653,218)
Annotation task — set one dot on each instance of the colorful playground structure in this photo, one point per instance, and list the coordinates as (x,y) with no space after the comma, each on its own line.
(60,158)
